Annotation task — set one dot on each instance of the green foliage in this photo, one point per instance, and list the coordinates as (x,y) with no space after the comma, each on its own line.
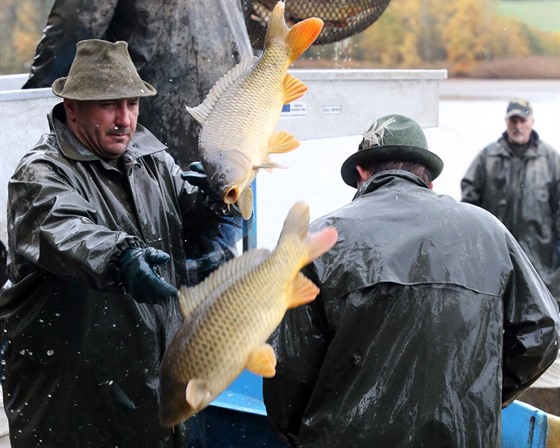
(543,15)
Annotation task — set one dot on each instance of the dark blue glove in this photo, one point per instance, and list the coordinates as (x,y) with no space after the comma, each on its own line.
(137,272)
(197,177)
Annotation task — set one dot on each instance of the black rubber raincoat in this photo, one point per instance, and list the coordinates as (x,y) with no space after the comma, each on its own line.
(82,359)
(523,193)
(429,319)
(181,47)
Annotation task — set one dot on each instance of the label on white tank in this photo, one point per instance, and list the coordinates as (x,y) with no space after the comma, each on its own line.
(333,109)
(294,110)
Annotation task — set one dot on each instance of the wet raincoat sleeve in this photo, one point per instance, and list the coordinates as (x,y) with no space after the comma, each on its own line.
(69,22)
(531,327)
(300,357)
(57,226)
(473,181)
(211,228)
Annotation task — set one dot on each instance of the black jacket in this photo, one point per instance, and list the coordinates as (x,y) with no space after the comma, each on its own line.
(82,358)
(524,194)
(429,319)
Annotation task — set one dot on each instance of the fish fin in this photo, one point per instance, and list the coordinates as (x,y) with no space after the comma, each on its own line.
(298,38)
(201,112)
(262,361)
(189,300)
(302,35)
(321,241)
(277,28)
(269,166)
(282,141)
(293,88)
(304,291)
(197,393)
(219,280)
(245,203)
(296,222)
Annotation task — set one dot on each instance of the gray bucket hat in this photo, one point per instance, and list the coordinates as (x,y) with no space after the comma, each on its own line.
(392,137)
(102,70)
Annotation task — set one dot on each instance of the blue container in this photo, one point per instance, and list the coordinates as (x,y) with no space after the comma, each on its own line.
(235,419)
(524,426)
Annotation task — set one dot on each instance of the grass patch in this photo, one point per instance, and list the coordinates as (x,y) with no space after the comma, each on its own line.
(541,14)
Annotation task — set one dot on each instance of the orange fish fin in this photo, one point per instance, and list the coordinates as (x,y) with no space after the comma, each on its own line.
(302,35)
(245,203)
(262,361)
(321,241)
(303,291)
(293,88)
(282,141)
(197,393)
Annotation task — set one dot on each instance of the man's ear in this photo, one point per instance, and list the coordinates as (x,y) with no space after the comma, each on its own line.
(363,174)
(70,108)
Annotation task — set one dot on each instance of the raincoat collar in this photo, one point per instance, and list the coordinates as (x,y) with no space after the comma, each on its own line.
(388,177)
(143,142)
(504,149)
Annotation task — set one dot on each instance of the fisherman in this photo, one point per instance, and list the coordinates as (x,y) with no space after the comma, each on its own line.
(430,317)
(517,179)
(100,224)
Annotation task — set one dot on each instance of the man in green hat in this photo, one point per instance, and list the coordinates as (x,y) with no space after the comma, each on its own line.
(429,320)
(100,225)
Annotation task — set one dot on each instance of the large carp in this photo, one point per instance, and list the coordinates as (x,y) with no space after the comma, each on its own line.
(241,111)
(230,315)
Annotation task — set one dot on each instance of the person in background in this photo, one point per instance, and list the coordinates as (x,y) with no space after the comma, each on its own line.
(430,317)
(517,179)
(100,224)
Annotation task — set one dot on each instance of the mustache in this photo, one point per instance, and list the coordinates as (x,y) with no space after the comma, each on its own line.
(119,130)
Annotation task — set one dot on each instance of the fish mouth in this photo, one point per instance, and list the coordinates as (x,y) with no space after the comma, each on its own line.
(232,195)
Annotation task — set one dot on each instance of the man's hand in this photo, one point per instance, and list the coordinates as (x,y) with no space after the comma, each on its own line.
(197,177)
(137,272)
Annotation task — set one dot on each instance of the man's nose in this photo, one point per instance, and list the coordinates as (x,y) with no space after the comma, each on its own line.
(122,118)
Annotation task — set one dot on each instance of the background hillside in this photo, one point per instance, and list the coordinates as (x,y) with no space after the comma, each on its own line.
(515,39)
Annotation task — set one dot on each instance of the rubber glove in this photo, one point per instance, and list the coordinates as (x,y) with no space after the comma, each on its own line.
(138,273)
(197,177)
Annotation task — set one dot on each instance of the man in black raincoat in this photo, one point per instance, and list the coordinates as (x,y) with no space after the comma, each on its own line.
(429,320)
(517,179)
(100,223)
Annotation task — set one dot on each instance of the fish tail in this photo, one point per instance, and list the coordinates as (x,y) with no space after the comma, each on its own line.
(321,241)
(298,38)
(297,222)
(277,28)
(302,35)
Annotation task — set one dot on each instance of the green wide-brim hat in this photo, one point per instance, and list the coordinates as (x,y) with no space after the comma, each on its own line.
(102,70)
(392,137)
